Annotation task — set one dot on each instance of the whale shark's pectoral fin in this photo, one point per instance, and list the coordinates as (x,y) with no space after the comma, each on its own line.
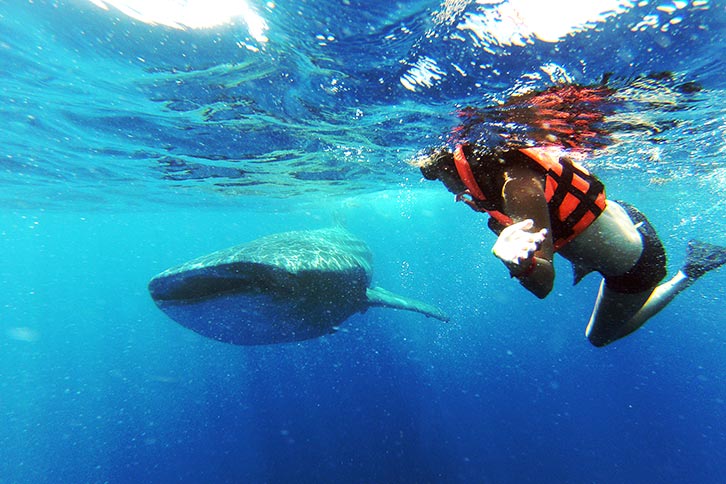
(377,296)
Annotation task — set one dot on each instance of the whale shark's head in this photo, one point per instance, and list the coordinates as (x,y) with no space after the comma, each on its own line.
(252,303)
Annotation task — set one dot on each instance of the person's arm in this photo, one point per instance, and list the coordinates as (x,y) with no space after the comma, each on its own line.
(526,246)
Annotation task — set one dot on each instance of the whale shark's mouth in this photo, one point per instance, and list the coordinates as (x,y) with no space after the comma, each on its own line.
(196,288)
(207,283)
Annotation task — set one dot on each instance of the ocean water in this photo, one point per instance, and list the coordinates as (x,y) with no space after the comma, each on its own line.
(133,141)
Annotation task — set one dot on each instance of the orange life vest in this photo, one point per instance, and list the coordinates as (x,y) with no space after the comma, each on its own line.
(575,197)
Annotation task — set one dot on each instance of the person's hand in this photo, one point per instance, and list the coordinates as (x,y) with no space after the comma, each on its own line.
(516,246)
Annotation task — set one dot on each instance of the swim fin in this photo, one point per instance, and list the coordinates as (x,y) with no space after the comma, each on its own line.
(702,257)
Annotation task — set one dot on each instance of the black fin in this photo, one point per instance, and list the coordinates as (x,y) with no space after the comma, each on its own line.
(703,257)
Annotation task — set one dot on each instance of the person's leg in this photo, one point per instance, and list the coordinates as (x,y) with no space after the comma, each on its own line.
(618,314)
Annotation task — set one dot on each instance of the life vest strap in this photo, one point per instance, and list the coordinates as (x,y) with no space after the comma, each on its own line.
(463,168)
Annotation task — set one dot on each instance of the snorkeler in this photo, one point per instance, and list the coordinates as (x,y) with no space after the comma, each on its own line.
(541,202)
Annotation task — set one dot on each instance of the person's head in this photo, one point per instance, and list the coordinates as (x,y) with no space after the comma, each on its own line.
(439,165)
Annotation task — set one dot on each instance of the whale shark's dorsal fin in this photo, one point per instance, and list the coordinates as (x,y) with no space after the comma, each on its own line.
(377,296)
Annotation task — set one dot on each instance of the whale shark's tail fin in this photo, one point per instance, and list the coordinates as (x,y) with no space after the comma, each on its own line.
(377,296)
(703,257)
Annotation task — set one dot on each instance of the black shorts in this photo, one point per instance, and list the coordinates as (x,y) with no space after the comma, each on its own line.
(650,268)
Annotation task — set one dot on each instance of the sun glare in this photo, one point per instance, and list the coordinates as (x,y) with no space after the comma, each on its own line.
(517,22)
(190,14)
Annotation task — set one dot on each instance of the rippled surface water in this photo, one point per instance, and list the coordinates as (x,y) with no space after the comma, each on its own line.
(102,108)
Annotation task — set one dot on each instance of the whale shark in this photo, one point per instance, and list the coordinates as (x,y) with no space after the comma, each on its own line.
(281,288)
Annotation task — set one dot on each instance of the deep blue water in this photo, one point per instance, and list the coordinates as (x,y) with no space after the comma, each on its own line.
(128,148)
